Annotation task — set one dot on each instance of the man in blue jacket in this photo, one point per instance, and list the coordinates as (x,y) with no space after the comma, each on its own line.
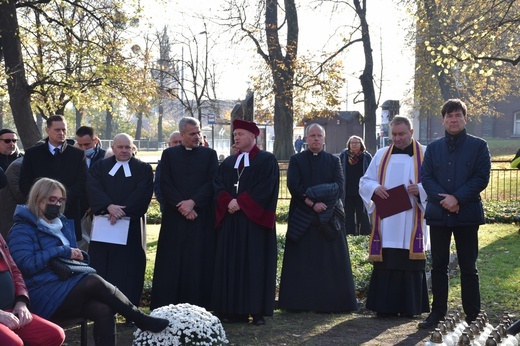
(455,170)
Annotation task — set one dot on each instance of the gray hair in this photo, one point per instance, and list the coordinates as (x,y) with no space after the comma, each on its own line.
(188,121)
(174,133)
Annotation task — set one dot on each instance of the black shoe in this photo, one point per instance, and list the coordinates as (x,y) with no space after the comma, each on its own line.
(405,315)
(469,320)
(430,322)
(258,320)
(514,328)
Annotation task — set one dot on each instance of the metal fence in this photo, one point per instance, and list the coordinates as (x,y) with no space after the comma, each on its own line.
(504,185)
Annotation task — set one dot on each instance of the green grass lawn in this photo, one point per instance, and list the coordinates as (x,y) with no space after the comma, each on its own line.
(499,270)
(498,264)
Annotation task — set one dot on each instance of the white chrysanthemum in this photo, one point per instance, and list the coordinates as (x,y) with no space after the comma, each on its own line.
(189,325)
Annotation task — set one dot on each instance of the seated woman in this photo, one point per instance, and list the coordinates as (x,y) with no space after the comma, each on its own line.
(17,324)
(41,233)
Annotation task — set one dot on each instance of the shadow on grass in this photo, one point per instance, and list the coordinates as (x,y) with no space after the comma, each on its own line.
(499,272)
(328,329)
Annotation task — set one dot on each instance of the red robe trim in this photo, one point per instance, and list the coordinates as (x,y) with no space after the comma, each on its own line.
(221,208)
(255,212)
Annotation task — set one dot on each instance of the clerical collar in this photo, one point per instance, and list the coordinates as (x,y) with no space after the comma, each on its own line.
(313,153)
(452,140)
(119,164)
(245,157)
(408,150)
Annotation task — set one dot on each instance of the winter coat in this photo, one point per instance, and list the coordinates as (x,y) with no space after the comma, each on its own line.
(462,172)
(32,246)
(20,290)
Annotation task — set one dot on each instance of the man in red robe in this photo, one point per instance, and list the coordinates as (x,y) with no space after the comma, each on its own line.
(246,190)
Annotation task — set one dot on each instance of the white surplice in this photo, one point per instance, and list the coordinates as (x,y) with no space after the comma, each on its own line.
(396,230)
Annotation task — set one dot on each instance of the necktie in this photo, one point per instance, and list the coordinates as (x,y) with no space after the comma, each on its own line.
(56,151)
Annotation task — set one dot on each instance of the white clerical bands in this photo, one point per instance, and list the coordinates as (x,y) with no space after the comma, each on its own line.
(126,168)
(245,156)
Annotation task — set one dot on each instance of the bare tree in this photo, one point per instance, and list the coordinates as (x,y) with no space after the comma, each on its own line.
(367,78)
(192,76)
(370,99)
(281,58)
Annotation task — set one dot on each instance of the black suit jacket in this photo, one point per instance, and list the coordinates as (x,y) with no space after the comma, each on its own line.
(69,168)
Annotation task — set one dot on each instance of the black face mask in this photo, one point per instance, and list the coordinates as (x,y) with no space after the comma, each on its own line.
(52,211)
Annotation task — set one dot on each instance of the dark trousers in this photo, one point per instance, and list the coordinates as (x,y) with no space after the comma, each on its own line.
(466,242)
(356,218)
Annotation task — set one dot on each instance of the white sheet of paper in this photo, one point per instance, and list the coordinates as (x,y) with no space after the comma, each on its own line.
(103,231)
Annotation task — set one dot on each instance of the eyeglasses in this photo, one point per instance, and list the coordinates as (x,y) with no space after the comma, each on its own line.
(8,140)
(56,200)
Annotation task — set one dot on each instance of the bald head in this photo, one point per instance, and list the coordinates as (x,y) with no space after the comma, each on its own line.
(122,147)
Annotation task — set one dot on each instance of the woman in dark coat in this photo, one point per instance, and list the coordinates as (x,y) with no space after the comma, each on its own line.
(41,233)
(355,161)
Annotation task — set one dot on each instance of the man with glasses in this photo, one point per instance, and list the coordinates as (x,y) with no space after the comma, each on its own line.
(8,148)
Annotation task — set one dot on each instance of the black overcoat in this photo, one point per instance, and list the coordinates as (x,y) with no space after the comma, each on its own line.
(69,168)
(186,249)
(316,272)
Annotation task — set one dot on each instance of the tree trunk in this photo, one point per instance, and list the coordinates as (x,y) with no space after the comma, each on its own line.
(283,128)
(282,69)
(19,93)
(367,81)
(139,126)
(39,122)
(2,114)
(159,123)
(79,117)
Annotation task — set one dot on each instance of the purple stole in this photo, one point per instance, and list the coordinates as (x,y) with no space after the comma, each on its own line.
(416,240)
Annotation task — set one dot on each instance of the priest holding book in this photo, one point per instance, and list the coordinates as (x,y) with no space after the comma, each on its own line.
(399,238)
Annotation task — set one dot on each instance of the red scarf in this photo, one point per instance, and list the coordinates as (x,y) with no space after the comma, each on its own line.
(353,159)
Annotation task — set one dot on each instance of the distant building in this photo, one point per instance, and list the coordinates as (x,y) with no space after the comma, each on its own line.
(505,126)
(339,128)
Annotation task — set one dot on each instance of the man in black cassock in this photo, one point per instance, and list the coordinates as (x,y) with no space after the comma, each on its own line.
(186,248)
(56,159)
(121,186)
(246,191)
(316,273)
